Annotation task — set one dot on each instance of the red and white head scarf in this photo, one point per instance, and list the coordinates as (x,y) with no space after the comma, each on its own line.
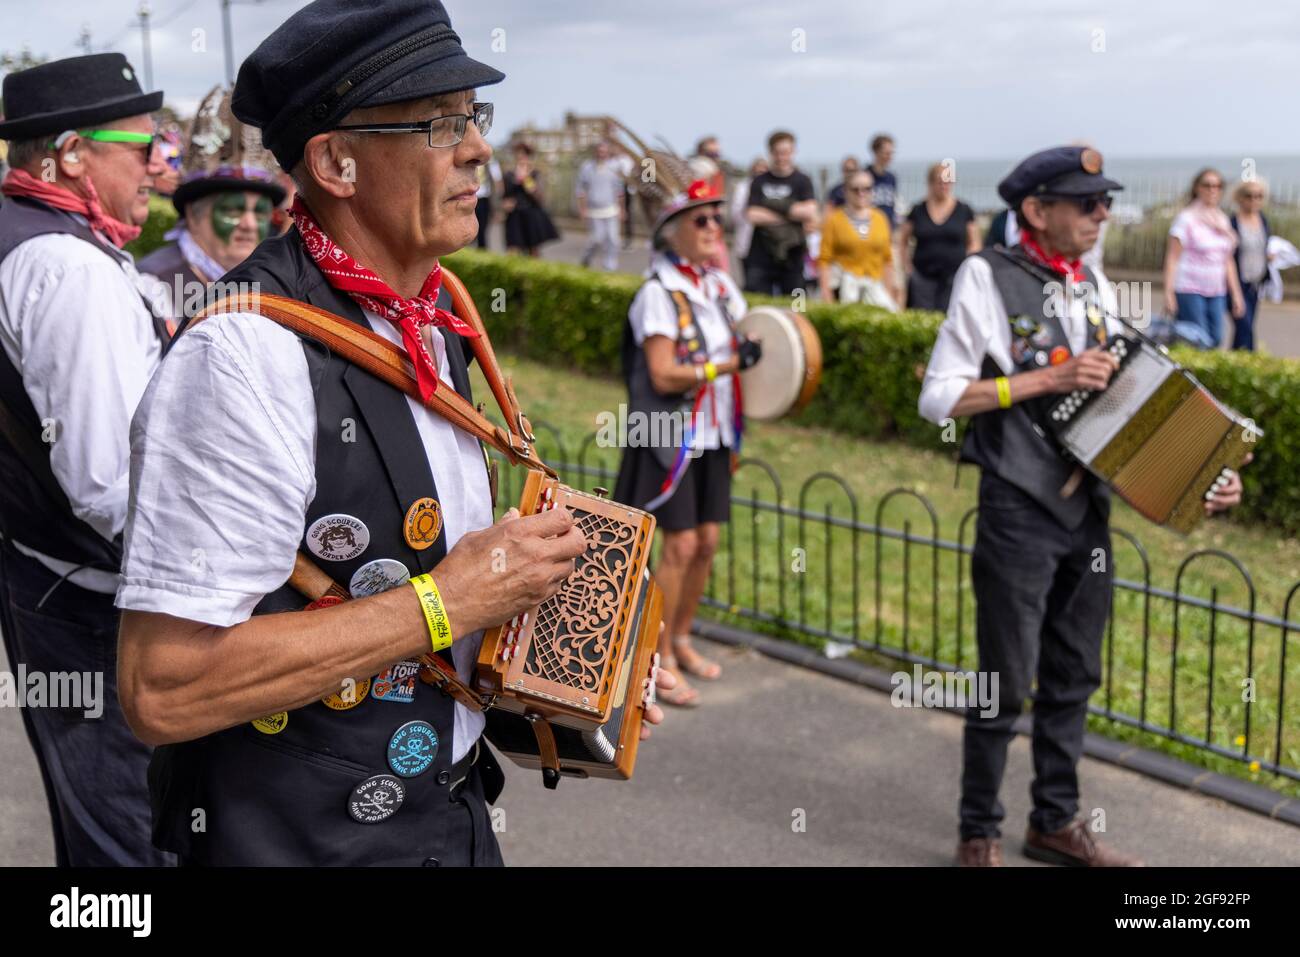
(373,294)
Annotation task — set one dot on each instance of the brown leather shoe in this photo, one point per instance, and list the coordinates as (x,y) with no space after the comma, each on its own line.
(980,852)
(1075,846)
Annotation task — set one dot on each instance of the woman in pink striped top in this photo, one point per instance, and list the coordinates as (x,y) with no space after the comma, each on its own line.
(1200,274)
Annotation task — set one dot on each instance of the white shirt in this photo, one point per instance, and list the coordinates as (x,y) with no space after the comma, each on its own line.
(653,313)
(223,453)
(977,325)
(73,324)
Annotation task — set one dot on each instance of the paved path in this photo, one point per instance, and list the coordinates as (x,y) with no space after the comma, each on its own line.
(772,745)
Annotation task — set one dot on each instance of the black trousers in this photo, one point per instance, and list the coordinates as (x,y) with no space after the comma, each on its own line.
(923,292)
(93,768)
(1042,597)
(773,279)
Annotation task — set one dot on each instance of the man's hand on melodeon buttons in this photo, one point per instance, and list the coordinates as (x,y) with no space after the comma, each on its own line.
(1090,370)
(1228,495)
(497,572)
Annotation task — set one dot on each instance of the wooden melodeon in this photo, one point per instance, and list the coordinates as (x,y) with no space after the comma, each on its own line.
(570,679)
(1155,435)
(786,378)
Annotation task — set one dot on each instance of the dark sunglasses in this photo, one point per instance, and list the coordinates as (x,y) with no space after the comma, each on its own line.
(1086,204)
(704,219)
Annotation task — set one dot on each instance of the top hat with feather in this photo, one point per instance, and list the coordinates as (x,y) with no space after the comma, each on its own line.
(223,155)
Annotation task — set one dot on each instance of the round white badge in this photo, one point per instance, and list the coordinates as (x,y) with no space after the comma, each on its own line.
(379,575)
(127,74)
(338,537)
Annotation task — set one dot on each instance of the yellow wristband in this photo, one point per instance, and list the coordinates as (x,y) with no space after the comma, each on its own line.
(435,615)
(710,371)
(1004,391)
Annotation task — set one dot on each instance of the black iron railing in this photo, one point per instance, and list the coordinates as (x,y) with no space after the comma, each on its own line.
(1167,651)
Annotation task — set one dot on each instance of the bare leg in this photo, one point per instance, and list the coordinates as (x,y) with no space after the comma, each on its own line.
(694,582)
(675,562)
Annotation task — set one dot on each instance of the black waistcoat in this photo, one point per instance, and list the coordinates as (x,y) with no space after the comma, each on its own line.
(690,347)
(283,798)
(34,509)
(1015,444)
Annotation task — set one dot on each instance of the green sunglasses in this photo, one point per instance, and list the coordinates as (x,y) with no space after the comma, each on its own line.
(108,136)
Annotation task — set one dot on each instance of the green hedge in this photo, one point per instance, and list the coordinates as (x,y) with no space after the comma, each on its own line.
(563,314)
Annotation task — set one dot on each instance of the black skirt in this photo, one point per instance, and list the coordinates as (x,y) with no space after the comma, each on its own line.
(528,227)
(704,494)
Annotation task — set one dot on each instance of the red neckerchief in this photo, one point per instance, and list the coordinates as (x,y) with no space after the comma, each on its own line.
(370,292)
(1058,263)
(696,275)
(22,183)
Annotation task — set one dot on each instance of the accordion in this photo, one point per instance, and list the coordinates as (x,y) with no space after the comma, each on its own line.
(1154,434)
(569,681)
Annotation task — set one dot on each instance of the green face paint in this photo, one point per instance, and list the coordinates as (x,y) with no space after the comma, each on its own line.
(229,208)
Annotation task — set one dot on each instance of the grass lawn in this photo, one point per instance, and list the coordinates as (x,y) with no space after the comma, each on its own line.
(907,596)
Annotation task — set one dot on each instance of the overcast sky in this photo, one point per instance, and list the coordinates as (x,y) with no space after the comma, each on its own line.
(976,79)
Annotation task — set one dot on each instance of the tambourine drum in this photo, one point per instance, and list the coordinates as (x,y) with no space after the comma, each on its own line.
(786,378)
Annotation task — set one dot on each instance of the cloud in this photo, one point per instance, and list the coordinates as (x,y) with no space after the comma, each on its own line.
(995,78)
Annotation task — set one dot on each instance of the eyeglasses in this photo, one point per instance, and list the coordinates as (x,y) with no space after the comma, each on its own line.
(108,136)
(1212,184)
(704,219)
(859,189)
(1252,195)
(447,130)
(1086,204)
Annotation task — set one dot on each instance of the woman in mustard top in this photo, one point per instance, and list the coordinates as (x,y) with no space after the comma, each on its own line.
(856,254)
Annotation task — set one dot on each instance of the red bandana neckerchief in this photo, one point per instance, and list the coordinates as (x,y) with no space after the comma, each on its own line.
(697,275)
(372,293)
(22,183)
(1058,263)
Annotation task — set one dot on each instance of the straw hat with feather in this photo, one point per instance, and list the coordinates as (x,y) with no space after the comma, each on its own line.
(666,185)
(224,154)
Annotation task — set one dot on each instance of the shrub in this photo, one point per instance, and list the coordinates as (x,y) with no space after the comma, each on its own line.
(872,360)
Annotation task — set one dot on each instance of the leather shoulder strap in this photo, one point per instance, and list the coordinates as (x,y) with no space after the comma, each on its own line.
(389,363)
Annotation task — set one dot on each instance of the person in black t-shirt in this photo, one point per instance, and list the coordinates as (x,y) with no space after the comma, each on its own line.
(945,232)
(886,190)
(781,206)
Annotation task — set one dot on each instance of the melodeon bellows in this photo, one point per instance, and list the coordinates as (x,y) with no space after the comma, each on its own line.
(1155,435)
(580,666)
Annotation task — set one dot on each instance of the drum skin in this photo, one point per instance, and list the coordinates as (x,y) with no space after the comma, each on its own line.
(785,379)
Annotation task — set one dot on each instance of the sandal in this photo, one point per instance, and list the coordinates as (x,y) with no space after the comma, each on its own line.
(681,695)
(694,663)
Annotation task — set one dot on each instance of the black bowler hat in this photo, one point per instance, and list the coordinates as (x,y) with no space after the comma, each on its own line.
(335,56)
(71,94)
(1061,171)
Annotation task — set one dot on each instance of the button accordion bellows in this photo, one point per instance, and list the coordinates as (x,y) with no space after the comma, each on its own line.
(583,661)
(1155,435)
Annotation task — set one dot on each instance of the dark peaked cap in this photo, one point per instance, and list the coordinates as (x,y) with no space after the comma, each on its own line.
(335,56)
(1060,171)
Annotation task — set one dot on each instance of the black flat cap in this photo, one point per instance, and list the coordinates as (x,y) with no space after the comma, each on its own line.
(335,56)
(70,94)
(1060,171)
